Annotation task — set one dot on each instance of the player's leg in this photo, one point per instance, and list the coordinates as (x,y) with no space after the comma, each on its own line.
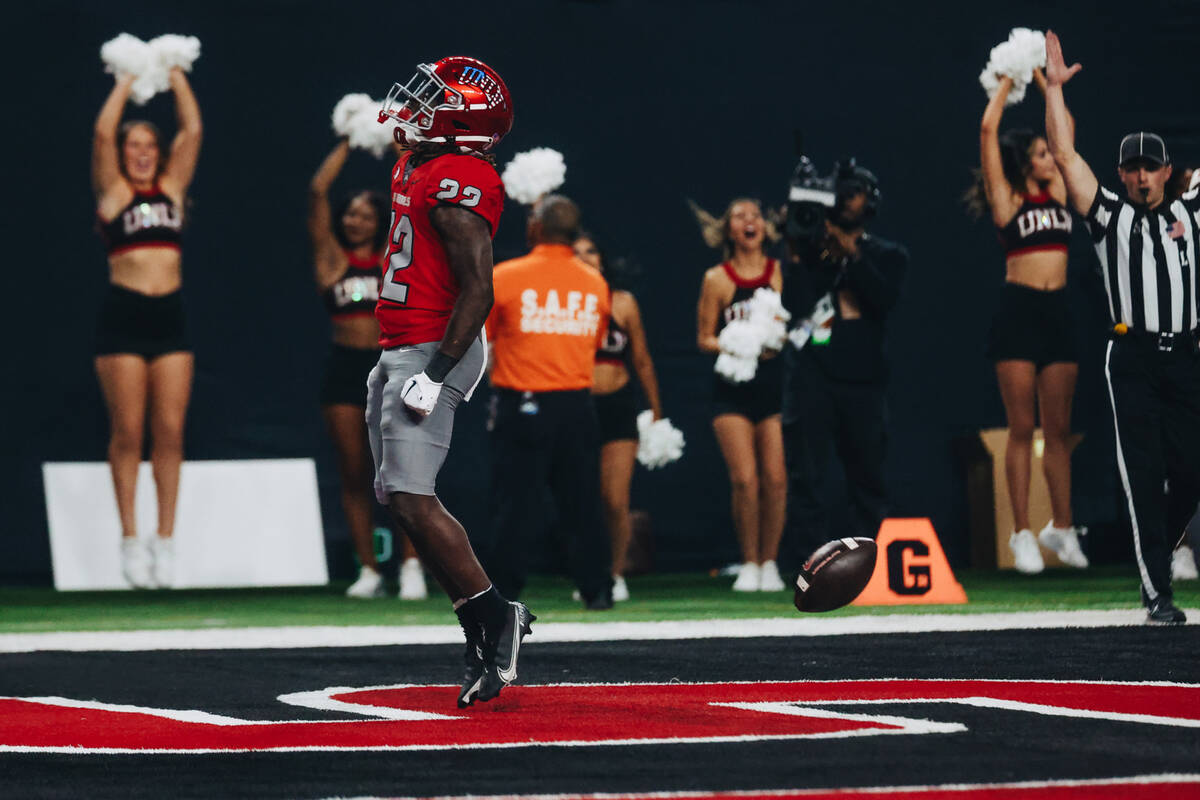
(772,503)
(410,454)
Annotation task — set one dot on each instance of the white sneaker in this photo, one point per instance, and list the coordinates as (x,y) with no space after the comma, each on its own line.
(748,578)
(164,562)
(620,590)
(368,585)
(1183,564)
(412,580)
(1027,557)
(137,563)
(769,580)
(1065,544)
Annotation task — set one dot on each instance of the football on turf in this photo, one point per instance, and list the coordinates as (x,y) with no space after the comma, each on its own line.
(835,574)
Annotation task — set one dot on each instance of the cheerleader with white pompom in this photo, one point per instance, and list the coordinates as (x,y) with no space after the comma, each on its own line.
(143,359)
(1032,340)
(748,397)
(348,244)
(624,352)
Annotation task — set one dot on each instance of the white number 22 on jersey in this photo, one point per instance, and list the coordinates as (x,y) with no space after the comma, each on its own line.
(394,289)
(450,191)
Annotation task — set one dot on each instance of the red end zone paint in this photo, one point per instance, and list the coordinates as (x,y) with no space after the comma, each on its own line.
(582,715)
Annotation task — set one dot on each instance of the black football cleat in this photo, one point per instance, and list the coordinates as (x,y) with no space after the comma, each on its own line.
(501,649)
(473,673)
(1163,612)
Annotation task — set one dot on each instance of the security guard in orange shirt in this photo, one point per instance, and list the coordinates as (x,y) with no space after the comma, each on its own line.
(550,315)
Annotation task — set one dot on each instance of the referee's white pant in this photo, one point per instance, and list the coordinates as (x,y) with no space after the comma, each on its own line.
(1155,396)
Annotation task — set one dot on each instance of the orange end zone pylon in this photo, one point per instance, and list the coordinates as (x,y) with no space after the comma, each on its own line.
(911,568)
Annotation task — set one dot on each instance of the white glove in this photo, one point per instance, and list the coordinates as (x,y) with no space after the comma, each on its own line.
(420,394)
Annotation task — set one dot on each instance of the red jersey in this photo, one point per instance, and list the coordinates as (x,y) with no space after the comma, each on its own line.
(419,290)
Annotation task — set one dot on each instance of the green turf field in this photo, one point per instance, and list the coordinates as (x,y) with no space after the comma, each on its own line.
(655,597)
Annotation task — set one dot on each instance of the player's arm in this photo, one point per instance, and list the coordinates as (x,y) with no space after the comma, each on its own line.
(1082,185)
(326,262)
(707,312)
(639,353)
(467,239)
(106,169)
(185,149)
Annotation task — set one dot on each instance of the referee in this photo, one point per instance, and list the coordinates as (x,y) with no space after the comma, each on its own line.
(1147,249)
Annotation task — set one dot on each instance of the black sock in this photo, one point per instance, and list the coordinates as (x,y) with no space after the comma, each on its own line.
(488,608)
(466,618)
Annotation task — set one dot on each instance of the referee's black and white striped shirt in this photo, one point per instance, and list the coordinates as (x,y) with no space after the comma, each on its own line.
(1148,260)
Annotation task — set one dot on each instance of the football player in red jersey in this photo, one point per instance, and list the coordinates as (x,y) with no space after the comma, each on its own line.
(436,294)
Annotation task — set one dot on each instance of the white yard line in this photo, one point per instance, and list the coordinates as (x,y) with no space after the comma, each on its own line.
(361,636)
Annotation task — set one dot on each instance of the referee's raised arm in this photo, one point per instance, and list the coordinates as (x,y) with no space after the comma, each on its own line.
(1060,134)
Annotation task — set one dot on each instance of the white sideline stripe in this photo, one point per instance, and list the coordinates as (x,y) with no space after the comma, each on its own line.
(945,787)
(378,635)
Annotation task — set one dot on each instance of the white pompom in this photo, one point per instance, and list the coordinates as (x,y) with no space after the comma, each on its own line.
(533,174)
(347,108)
(356,116)
(125,54)
(741,344)
(659,442)
(1015,58)
(128,55)
(769,318)
(150,63)
(740,338)
(1030,48)
(174,50)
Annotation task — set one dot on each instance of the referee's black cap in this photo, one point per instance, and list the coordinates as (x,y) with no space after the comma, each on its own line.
(1143,145)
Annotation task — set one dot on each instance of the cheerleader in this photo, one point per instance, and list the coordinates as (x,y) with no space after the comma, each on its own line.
(348,246)
(746,416)
(143,358)
(1032,340)
(624,350)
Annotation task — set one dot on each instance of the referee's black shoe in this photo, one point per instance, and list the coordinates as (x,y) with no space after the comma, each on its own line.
(501,649)
(1163,612)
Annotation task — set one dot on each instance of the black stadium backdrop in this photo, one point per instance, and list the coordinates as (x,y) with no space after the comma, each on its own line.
(651,103)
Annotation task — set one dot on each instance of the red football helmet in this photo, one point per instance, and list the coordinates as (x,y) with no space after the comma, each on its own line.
(458,100)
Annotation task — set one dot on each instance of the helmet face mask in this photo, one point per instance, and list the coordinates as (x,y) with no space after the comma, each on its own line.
(457,100)
(420,99)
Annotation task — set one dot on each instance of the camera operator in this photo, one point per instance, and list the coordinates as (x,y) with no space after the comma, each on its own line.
(839,287)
